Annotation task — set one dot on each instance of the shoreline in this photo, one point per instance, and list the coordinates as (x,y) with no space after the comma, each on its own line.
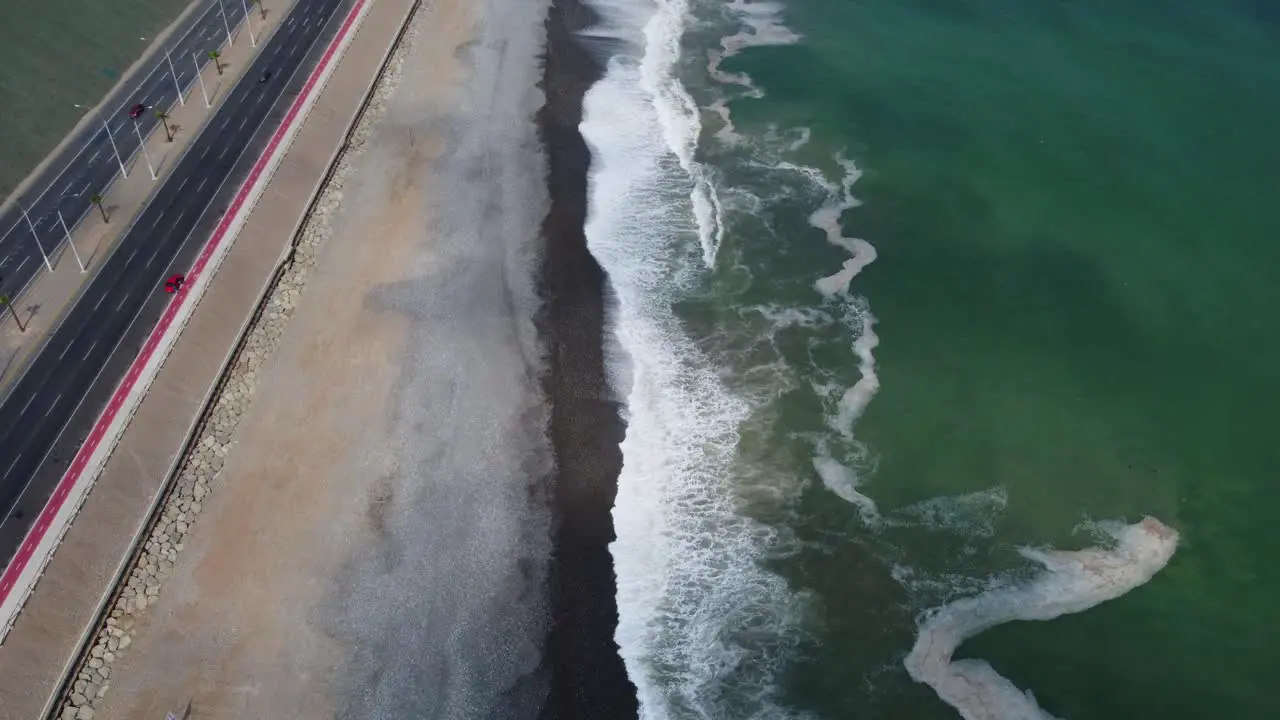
(588,678)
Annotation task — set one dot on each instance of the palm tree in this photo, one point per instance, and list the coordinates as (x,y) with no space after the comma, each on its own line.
(261,10)
(214,55)
(8,302)
(163,117)
(97,199)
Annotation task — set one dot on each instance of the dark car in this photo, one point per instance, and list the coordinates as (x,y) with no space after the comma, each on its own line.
(174,284)
(136,111)
(265,76)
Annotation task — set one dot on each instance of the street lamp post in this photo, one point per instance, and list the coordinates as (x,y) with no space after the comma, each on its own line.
(36,235)
(8,302)
(253,41)
(142,144)
(199,75)
(70,242)
(225,22)
(172,71)
(115,149)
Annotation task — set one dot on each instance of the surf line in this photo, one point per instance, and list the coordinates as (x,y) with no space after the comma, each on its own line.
(1071,582)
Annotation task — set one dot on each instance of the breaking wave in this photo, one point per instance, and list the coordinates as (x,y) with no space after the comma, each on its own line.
(705,631)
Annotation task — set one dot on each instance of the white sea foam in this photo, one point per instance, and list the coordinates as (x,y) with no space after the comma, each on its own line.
(678,116)
(1070,583)
(971,515)
(700,623)
(761,26)
(843,481)
(780,316)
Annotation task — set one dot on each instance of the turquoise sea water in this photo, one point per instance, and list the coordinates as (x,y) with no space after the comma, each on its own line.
(1070,211)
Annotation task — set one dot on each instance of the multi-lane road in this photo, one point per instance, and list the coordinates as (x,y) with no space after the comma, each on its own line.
(53,405)
(88,164)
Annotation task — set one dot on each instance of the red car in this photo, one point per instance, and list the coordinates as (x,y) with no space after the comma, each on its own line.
(136,111)
(174,284)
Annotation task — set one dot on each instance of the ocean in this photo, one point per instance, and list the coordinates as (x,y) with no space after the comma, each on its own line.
(58,54)
(944,334)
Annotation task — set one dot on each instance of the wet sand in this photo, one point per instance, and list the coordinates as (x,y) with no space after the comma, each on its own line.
(589,679)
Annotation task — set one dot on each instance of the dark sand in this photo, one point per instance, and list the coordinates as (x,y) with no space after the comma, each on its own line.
(588,677)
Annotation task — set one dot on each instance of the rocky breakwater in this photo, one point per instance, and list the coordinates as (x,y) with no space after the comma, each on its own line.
(200,469)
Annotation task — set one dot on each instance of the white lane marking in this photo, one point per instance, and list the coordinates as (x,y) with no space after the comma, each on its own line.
(156,222)
(68,187)
(24,407)
(100,299)
(224,151)
(153,257)
(184,183)
(242,122)
(92,345)
(203,180)
(52,405)
(135,252)
(206,152)
(15,462)
(123,300)
(65,349)
(224,124)
(24,262)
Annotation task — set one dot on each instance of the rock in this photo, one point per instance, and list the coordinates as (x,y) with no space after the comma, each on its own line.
(112,643)
(108,657)
(95,663)
(140,603)
(125,642)
(69,712)
(86,713)
(97,651)
(79,686)
(78,699)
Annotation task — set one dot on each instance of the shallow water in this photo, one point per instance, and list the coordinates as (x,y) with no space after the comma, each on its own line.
(904,287)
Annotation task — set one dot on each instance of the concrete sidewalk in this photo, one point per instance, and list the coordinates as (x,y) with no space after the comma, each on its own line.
(66,602)
(44,302)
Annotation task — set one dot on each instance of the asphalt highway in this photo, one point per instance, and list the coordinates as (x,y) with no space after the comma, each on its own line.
(54,405)
(88,165)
